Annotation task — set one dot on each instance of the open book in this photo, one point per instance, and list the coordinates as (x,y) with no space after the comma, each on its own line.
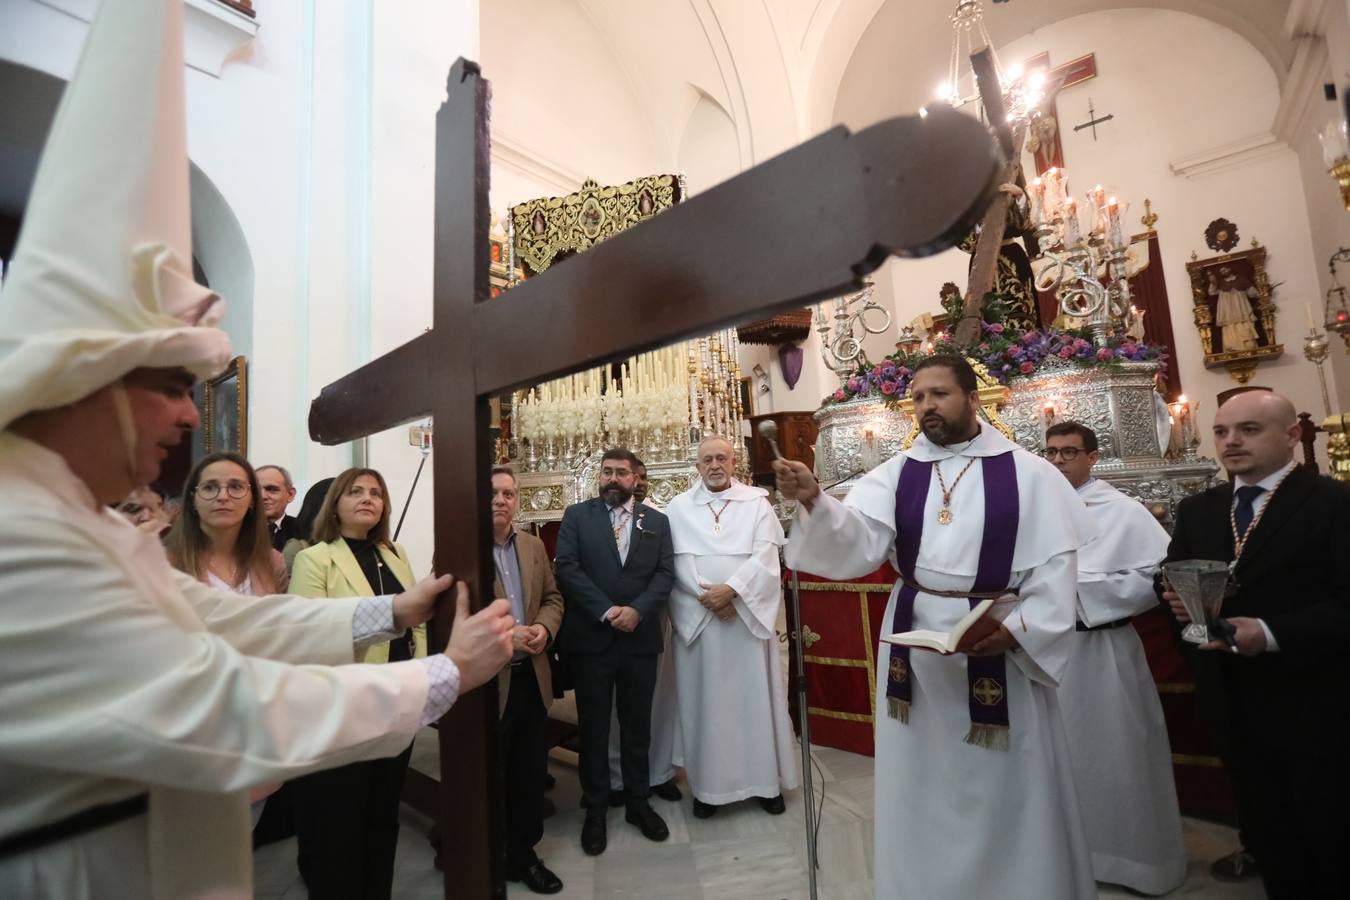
(978,624)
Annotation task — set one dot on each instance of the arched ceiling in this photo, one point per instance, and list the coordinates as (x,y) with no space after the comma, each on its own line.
(902,55)
(776,67)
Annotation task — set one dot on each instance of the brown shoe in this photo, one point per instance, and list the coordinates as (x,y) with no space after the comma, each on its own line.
(1236,866)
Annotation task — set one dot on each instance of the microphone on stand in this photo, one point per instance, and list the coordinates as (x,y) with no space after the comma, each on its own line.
(768,429)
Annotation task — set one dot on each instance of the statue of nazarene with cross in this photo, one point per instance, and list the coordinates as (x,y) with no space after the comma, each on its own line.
(802,227)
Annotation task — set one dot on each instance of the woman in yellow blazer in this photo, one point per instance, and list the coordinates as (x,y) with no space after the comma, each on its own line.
(346,819)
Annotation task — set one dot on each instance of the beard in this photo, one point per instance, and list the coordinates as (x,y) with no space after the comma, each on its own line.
(942,431)
(614,494)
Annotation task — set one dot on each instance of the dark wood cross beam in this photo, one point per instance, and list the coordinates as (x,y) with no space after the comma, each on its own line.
(1093,120)
(802,227)
(984,267)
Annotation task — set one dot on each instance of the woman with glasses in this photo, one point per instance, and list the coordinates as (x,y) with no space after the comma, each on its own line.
(221,539)
(346,819)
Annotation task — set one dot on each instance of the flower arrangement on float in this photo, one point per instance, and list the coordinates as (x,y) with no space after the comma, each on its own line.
(1007,353)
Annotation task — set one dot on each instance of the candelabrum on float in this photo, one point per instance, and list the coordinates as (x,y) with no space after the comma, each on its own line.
(1085,268)
(658,404)
(842,350)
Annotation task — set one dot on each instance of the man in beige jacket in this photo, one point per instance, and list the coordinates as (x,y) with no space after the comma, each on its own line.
(139,705)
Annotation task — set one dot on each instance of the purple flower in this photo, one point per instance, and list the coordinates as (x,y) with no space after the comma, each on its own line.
(1031,337)
(853,384)
(905,370)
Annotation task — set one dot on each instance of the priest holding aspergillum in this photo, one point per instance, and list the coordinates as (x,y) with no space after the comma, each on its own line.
(974,793)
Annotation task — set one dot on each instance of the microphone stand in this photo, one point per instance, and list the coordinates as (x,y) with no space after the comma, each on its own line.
(804,720)
(804,717)
(426,451)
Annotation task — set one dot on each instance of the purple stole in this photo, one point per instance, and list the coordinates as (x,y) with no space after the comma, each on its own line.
(987,675)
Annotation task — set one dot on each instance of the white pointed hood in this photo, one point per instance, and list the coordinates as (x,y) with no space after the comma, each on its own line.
(101,280)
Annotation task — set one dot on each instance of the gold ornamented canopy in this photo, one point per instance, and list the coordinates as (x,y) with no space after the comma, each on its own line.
(550,228)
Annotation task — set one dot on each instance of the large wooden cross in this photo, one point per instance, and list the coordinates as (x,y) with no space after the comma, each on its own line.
(984,266)
(802,227)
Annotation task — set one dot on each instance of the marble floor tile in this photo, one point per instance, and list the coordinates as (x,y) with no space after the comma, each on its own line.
(741,852)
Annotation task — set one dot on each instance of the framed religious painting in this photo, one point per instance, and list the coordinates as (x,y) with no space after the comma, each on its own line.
(225,410)
(1233,311)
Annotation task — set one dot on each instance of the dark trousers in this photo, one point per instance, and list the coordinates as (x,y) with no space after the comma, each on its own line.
(523,761)
(346,820)
(599,680)
(1293,802)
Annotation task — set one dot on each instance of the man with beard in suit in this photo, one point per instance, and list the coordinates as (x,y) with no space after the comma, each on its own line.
(615,567)
(1276,699)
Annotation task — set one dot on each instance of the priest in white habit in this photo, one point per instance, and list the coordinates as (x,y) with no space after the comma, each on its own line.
(732,693)
(140,705)
(1122,762)
(974,793)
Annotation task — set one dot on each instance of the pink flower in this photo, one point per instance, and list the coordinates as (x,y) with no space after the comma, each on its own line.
(1105,353)
(853,383)
(888,387)
(1065,352)
(839,395)
(1027,368)
(996,328)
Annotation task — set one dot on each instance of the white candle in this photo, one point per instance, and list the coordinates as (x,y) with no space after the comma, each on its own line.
(1307,308)
(1071,232)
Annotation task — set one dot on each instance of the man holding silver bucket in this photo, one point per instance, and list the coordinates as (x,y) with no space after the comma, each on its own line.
(1275,686)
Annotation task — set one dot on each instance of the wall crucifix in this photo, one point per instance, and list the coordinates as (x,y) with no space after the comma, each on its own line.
(802,227)
(1094,120)
(1043,141)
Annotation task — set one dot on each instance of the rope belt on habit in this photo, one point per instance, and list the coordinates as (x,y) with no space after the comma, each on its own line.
(1118,623)
(1006,593)
(84,822)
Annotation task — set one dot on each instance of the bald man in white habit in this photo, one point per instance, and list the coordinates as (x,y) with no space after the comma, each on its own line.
(732,693)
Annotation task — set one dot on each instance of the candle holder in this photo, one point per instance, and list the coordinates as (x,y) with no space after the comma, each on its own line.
(1183,421)
(1316,346)
(842,351)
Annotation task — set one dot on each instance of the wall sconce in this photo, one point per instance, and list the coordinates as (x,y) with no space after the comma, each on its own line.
(1336,154)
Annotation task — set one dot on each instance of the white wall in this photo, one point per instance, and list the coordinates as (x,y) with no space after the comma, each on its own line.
(1179,87)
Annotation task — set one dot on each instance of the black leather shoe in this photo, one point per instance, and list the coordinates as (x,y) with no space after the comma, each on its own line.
(549,781)
(668,790)
(617,798)
(1236,866)
(536,877)
(774,806)
(703,810)
(652,826)
(550,808)
(593,835)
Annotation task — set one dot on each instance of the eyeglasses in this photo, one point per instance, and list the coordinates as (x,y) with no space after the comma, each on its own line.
(235,490)
(1068,454)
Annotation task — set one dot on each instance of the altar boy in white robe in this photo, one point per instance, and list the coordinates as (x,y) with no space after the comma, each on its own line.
(724,607)
(974,794)
(1122,763)
(138,704)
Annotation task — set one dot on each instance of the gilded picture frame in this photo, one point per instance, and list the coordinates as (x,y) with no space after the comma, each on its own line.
(1233,311)
(225,410)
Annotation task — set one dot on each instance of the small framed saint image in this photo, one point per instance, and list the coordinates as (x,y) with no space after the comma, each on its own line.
(1233,309)
(225,410)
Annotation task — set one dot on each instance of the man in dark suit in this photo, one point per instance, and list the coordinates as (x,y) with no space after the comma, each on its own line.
(1277,700)
(615,567)
(277,491)
(525,687)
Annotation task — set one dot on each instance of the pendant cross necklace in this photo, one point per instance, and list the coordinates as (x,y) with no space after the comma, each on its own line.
(944,515)
(717,516)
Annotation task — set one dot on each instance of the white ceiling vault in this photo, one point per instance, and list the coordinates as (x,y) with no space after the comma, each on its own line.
(771,71)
